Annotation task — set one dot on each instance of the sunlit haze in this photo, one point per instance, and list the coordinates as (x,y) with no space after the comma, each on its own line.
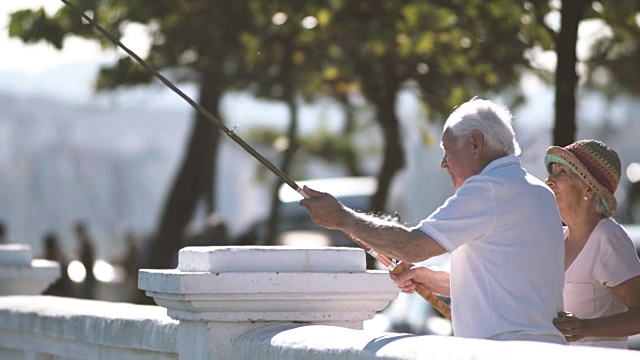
(39,57)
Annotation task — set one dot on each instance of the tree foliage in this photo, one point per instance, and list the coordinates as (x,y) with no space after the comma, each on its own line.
(287,50)
(610,65)
(196,41)
(453,49)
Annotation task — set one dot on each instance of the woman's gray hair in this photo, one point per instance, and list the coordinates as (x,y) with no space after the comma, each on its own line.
(492,120)
(600,207)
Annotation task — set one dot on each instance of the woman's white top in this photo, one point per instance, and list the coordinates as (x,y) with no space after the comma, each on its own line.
(608,259)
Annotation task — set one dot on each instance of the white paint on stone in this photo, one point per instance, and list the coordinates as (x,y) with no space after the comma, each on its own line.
(225,259)
(20,274)
(15,255)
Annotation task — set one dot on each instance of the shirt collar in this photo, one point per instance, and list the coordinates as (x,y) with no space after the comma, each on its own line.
(508,160)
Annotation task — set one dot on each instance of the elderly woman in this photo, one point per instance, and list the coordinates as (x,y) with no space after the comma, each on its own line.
(602,271)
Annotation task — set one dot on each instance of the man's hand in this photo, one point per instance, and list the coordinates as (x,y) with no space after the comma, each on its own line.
(404,281)
(435,281)
(324,209)
(571,326)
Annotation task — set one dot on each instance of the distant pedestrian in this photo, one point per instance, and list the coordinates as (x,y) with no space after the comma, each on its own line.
(3,233)
(87,257)
(130,262)
(52,251)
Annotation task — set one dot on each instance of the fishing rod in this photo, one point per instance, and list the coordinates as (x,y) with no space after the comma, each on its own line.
(393,268)
(390,264)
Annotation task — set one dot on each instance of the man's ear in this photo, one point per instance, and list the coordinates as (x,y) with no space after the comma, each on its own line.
(477,142)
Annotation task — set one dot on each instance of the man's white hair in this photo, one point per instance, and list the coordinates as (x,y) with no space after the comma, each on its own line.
(492,120)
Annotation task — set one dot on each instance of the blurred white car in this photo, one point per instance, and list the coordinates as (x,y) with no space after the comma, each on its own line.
(295,226)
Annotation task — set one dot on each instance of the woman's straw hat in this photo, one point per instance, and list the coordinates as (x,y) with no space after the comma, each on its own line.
(595,163)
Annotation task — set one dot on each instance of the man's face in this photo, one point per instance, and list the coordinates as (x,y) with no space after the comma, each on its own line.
(458,158)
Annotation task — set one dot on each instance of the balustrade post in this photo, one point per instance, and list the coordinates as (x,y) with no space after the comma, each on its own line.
(20,274)
(220,293)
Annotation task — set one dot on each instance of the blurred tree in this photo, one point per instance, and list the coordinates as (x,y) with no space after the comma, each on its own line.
(290,50)
(572,12)
(564,42)
(280,61)
(205,41)
(195,41)
(457,49)
(611,65)
(452,49)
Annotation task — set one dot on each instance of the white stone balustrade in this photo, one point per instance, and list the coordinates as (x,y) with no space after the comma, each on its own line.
(246,304)
(317,342)
(220,293)
(51,327)
(20,274)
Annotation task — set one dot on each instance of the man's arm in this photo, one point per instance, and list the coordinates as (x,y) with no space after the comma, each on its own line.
(385,236)
(438,282)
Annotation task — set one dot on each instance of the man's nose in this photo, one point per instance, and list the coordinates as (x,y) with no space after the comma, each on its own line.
(443,162)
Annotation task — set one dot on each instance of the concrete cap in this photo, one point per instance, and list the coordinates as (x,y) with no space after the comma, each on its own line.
(15,255)
(226,259)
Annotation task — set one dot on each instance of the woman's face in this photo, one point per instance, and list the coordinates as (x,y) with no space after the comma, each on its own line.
(567,186)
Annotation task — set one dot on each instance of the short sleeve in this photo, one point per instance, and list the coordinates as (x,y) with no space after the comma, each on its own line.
(619,261)
(468,215)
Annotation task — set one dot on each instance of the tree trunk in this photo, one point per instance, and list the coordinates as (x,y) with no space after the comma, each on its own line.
(382,91)
(287,156)
(285,164)
(564,131)
(393,160)
(193,182)
(350,156)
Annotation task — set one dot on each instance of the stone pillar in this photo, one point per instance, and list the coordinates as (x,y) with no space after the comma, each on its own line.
(20,274)
(220,293)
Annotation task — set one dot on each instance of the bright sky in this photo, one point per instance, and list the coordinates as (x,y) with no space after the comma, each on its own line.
(39,57)
(36,57)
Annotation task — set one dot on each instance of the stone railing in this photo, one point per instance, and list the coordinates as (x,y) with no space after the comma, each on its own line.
(49,327)
(20,274)
(246,303)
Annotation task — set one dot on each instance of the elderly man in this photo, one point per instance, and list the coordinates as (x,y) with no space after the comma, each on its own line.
(501,227)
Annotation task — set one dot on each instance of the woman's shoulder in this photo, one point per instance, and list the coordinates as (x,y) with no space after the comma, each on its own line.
(610,226)
(609,232)
(617,253)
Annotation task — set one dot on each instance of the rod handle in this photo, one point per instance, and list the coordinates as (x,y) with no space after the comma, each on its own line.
(426,294)
(422,290)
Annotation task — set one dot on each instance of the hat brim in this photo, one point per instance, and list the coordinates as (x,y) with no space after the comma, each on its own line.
(556,154)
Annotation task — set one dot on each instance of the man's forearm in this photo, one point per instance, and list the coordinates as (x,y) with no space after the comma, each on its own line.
(390,238)
(441,283)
